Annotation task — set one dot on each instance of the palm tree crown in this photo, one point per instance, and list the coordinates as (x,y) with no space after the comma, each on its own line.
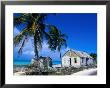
(57,39)
(36,27)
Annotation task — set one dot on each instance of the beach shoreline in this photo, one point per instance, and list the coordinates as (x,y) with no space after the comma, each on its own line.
(56,68)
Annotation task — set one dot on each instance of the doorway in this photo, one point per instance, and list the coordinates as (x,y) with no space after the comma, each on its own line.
(70,61)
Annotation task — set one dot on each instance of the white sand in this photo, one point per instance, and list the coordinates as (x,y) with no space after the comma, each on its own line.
(87,72)
(57,65)
(19,73)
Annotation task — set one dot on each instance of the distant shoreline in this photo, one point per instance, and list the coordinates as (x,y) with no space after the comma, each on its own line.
(25,63)
(19,68)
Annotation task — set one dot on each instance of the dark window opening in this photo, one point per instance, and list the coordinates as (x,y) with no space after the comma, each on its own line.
(87,61)
(70,61)
(75,60)
(82,60)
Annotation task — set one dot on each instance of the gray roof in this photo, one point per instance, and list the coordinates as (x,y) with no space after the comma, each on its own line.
(80,53)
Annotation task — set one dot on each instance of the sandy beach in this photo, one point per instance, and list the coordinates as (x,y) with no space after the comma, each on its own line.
(86,72)
(56,65)
(19,73)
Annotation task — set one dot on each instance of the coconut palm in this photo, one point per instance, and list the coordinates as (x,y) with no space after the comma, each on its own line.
(57,40)
(94,55)
(34,26)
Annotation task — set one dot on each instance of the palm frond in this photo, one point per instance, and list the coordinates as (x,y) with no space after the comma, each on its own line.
(22,45)
(20,19)
(57,39)
(17,39)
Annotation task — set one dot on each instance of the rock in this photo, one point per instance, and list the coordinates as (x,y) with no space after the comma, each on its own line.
(42,62)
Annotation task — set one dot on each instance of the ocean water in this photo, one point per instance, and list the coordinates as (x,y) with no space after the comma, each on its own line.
(28,62)
(21,62)
(56,62)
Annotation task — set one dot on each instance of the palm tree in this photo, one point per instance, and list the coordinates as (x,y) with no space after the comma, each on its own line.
(94,55)
(57,40)
(34,27)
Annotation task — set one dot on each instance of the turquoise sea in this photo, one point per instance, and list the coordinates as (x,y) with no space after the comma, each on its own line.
(21,62)
(28,62)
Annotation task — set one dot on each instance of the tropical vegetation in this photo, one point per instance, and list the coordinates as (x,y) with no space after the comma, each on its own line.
(57,40)
(94,55)
(36,27)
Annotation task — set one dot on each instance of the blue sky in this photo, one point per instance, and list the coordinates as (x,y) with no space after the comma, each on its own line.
(81,29)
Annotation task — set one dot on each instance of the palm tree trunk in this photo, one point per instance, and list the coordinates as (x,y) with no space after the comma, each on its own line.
(36,54)
(61,58)
(20,49)
(35,47)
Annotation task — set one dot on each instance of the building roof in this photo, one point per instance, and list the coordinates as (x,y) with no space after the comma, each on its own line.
(70,53)
(78,53)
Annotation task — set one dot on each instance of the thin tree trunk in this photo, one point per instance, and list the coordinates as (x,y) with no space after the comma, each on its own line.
(61,58)
(36,41)
(20,49)
(35,47)
(37,55)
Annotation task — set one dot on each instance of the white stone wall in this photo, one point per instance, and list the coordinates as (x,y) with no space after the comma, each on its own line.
(41,63)
(77,65)
(84,62)
(66,61)
(90,61)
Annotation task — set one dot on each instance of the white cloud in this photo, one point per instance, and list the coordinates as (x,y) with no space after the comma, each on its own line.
(55,55)
(29,52)
(45,51)
(28,49)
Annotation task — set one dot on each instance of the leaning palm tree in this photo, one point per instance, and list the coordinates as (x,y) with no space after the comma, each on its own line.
(34,27)
(57,40)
